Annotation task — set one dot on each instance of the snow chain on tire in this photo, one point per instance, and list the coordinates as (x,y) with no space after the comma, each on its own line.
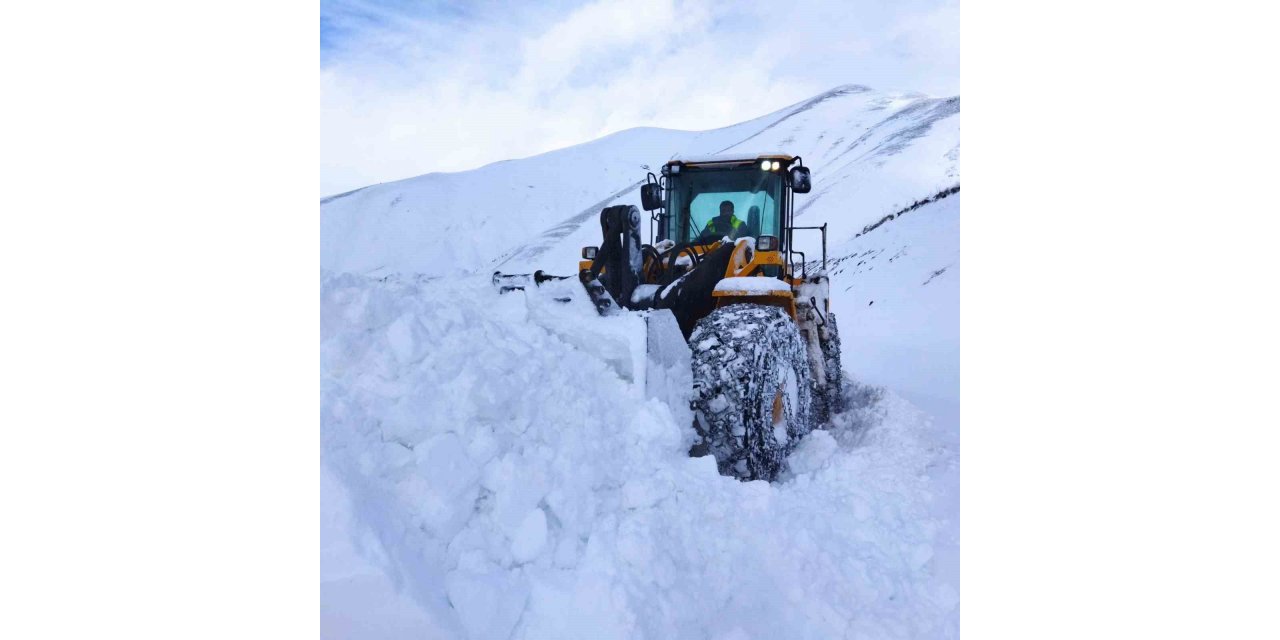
(742,355)
(831,362)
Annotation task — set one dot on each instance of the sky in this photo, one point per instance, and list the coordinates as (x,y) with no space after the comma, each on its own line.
(409,88)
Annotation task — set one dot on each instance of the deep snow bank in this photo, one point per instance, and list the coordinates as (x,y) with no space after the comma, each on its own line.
(896,290)
(518,485)
(358,597)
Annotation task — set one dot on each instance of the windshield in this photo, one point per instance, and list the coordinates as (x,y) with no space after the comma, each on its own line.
(708,205)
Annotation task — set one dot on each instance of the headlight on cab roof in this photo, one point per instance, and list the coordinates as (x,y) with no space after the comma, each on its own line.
(767,243)
(589,253)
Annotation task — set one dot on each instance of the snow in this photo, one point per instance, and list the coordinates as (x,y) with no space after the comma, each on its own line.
(644,292)
(718,404)
(896,293)
(753,285)
(501,466)
(487,602)
(522,488)
(780,433)
(530,537)
(358,597)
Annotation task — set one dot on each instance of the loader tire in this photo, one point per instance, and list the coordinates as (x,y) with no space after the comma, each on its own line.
(831,361)
(749,367)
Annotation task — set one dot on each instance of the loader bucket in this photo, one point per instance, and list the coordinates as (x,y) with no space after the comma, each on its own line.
(644,348)
(668,372)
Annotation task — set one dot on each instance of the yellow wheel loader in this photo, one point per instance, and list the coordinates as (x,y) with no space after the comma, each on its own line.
(721,265)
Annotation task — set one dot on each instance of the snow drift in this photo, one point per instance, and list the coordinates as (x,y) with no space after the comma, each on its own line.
(520,486)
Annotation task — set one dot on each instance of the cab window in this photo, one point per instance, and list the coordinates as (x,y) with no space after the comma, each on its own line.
(696,196)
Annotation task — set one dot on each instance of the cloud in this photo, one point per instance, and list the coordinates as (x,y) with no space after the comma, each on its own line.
(412,88)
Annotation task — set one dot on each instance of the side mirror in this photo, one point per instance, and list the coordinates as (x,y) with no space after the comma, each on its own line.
(800,180)
(651,196)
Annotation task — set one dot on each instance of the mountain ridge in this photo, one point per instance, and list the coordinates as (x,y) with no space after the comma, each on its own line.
(871,153)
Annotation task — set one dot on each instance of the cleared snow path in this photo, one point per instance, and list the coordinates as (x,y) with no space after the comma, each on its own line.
(518,486)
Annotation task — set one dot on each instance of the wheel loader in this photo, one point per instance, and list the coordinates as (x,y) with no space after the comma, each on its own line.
(721,265)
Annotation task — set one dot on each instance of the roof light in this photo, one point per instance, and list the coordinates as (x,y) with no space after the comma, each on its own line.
(765,165)
(776,165)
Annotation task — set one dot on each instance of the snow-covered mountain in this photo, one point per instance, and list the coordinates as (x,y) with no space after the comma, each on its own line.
(871,154)
(489,469)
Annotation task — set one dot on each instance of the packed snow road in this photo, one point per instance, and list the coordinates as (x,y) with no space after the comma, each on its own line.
(508,477)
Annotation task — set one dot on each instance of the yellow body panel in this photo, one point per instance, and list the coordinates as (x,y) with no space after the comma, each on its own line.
(747,262)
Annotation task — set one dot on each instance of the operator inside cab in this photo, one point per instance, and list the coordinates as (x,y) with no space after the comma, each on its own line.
(725,224)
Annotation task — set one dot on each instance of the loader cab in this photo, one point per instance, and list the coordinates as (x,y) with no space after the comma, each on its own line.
(696,198)
(692,192)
